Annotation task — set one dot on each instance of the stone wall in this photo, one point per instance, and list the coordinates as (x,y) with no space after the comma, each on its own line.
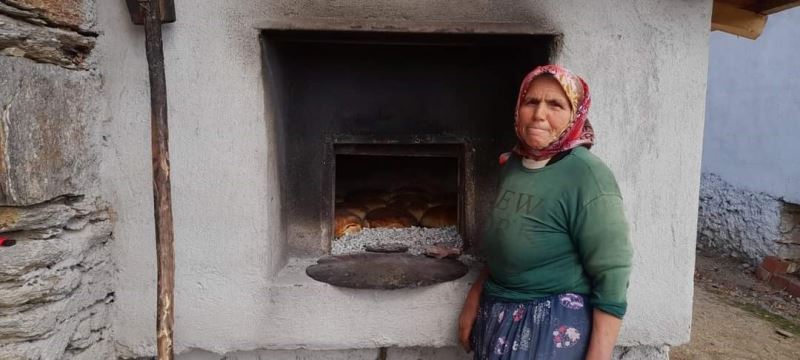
(752,112)
(749,188)
(56,282)
(746,224)
(49,31)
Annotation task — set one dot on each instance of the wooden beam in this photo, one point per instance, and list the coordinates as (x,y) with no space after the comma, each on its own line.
(733,20)
(764,7)
(166,10)
(769,7)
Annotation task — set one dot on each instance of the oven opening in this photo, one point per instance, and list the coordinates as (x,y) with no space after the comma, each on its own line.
(402,200)
(387,142)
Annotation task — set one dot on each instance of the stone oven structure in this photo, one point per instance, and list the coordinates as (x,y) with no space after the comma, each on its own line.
(276,109)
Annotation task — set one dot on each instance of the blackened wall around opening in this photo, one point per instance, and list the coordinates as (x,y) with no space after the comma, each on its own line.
(326,84)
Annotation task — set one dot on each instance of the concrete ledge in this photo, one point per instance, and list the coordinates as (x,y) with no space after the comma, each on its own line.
(305,313)
(450,353)
(414,353)
(362,354)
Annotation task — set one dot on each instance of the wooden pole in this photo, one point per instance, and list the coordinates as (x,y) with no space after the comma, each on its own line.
(161,184)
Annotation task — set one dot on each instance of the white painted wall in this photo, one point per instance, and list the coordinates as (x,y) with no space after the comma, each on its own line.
(645,62)
(753,109)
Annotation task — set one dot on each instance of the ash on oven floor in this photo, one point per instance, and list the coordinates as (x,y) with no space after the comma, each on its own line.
(416,238)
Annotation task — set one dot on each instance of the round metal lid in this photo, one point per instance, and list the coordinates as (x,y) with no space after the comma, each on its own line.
(385,271)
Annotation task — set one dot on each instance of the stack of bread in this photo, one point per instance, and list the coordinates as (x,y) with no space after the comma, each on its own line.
(400,208)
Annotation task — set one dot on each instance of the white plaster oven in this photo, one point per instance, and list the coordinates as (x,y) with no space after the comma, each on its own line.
(257,89)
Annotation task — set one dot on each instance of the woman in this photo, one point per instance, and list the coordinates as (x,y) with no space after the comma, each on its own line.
(556,245)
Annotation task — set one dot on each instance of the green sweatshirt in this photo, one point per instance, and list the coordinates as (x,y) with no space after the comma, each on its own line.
(557,229)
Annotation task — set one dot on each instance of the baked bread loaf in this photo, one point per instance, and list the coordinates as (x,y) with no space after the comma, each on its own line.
(357,209)
(440,216)
(345,223)
(416,207)
(443,199)
(372,203)
(389,217)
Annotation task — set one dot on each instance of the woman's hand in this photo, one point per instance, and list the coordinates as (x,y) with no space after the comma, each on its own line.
(605,330)
(466,320)
(470,310)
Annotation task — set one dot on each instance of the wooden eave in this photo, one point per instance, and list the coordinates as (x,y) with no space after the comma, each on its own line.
(746,18)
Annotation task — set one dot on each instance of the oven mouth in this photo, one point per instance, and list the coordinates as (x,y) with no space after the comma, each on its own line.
(394,206)
(395,191)
(433,109)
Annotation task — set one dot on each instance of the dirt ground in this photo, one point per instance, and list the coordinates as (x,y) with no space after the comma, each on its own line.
(737,317)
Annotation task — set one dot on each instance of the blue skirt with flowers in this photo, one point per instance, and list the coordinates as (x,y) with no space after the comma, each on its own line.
(553,327)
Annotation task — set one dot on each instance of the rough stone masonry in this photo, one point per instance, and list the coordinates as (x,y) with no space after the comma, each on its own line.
(56,281)
(746,224)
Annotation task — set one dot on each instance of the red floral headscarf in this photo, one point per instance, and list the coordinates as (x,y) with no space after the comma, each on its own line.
(578,132)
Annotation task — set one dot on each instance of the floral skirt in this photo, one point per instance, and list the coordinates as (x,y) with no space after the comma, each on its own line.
(553,327)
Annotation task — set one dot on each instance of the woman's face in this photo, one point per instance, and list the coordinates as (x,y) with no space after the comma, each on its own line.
(544,113)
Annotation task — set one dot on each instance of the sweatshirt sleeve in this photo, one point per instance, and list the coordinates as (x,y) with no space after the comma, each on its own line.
(601,235)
